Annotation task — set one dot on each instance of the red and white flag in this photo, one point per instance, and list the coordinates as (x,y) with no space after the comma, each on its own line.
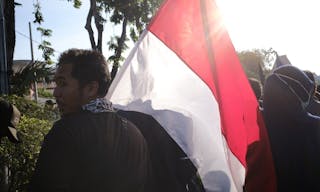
(184,71)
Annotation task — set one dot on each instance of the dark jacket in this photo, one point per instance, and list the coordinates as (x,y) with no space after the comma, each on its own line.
(314,107)
(171,168)
(92,152)
(294,135)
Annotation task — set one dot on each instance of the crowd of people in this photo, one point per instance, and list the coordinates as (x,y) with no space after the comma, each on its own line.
(95,147)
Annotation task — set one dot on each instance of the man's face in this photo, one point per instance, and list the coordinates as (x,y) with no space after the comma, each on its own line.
(68,94)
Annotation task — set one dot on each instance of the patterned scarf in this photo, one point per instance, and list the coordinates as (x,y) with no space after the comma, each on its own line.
(98,105)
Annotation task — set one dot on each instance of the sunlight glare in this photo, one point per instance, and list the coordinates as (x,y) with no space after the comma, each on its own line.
(288,26)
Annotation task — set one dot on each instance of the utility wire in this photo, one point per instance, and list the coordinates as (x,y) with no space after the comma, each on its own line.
(26,36)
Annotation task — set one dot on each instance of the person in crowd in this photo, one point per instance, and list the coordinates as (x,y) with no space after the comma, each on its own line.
(90,148)
(293,132)
(310,75)
(317,94)
(257,87)
(10,117)
(314,105)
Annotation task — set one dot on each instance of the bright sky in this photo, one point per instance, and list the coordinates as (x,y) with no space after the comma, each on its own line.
(288,26)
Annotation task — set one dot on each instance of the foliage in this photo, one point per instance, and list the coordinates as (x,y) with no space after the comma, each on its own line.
(31,109)
(44,93)
(45,46)
(45,32)
(76,3)
(22,80)
(257,63)
(133,14)
(47,51)
(38,18)
(21,158)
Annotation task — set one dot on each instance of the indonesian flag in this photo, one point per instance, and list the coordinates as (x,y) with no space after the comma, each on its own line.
(184,72)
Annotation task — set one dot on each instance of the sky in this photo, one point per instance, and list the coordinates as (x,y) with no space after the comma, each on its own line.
(288,26)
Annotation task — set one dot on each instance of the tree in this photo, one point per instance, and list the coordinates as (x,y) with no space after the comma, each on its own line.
(257,63)
(23,79)
(8,6)
(45,46)
(132,14)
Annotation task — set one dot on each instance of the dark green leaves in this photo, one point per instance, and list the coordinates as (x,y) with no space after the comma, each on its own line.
(38,18)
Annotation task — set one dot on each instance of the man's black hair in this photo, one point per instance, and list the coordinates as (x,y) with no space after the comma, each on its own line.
(87,66)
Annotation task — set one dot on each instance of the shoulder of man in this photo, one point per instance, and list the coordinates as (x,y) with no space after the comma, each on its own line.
(87,120)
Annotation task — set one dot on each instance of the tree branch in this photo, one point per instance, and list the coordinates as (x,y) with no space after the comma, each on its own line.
(99,25)
(119,49)
(88,27)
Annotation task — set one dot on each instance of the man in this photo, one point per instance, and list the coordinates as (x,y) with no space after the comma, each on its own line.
(10,117)
(90,148)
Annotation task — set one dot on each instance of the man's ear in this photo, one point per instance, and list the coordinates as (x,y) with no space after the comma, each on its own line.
(91,89)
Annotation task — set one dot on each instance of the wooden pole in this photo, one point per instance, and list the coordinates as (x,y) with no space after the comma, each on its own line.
(32,60)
